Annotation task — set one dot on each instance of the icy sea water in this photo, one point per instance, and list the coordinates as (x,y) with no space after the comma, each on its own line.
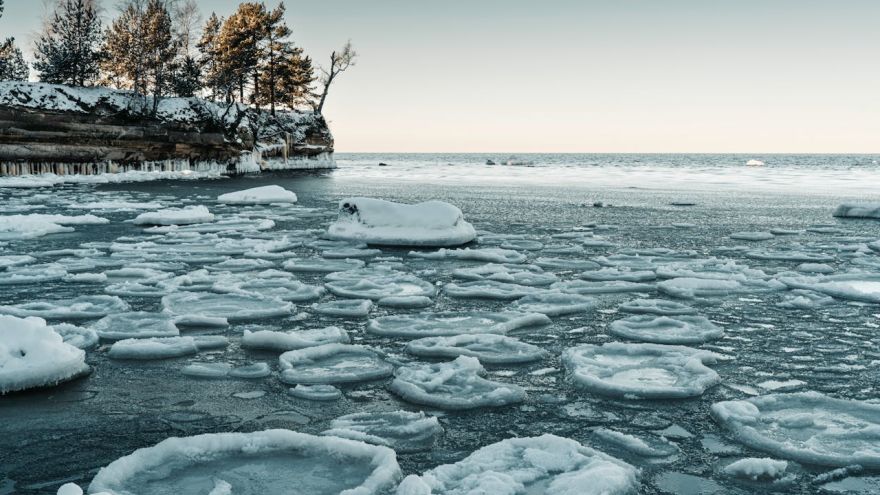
(66,433)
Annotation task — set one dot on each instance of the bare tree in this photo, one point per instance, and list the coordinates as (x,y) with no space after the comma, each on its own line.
(339,62)
(187,19)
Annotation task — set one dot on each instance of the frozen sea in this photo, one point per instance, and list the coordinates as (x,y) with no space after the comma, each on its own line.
(694,217)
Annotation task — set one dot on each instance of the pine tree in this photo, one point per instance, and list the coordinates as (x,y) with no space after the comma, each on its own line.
(186,77)
(241,45)
(292,85)
(277,50)
(210,61)
(12,64)
(67,52)
(159,48)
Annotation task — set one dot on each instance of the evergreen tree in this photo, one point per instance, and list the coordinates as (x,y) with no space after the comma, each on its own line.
(277,49)
(292,83)
(67,52)
(159,48)
(186,77)
(12,64)
(210,58)
(241,45)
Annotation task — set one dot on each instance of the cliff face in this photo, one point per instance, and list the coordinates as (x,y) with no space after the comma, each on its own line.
(62,129)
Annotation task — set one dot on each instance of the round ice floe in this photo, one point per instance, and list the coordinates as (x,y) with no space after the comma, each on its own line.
(207,370)
(854,287)
(32,274)
(165,347)
(488,289)
(403,431)
(608,274)
(79,337)
(553,303)
(315,392)
(258,196)
(240,265)
(752,236)
(807,427)
(332,363)
(82,307)
(319,265)
(352,308)
(641,371)
(229,306)
(405,302)
(258,463)
(377,283)
(346,253)
(488,255)
(269,284)
(566,264)
(609,287)
(522,244)
(789,255)
(657,307)
(432,223)
(815,268)
(137,325)
(756,468)
(175,216)
(515,274)
(545,464)
(453,385)
(645,446)
(449,323)
(690,287)
(33,355)
(489,348)
(256,370)
(288,341)
(666,330)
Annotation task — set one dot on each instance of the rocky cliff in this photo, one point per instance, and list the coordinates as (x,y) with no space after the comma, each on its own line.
(63,129)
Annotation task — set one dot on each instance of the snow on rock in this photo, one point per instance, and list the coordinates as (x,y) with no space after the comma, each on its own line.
(258,463)
(332,363)
(315,392)
(229,306)
(858,210)
(489,289)
(666,330)
(657,307)
(453,385)
(175,216)
(554,303)
(487,347)
(532,275)
(258,196)
(292,340)
(545,464)
(375,221)
(488,255)
(135,324)
(755,468)
(806,427)
(641,371)
(403,431)
(346,308)
(377,283)
(452,323)
(165,347)
(81,307)
(854,287)
(33,355)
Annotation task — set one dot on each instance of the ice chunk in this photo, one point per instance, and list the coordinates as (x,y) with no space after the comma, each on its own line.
(32,274)
(806,427)
(315,392)
(136,324)
(643,446)
(450,323)
(489,289)
(69,489)
(690,287)
(855,287)
(788,255)
(33,355)
(815,268)
(657,307)
(554,303)
(641,371)
(16,227)
(165,347)
(288,341)
(175,216)
(352,308)
(488,255)
(229,306)
(515,274)
(405,302)
(79,337)
(609,287)
(377,283)
(453,385)
(207,370)
(433,223)
(256,370)
(318,265)
(15,260)
(666,330)
(403,431)
(626,275)
(332,363)
(269,284)
(346,253)
(566,264)
(805,299)
(858,210)
(752,236)
(79,308)
(236,265)
(546,464)
(258,463)
(258,196)
(487,347)
(754,468)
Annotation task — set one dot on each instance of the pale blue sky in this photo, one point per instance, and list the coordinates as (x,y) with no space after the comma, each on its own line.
(589,76)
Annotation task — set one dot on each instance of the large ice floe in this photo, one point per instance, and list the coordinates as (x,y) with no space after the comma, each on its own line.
(806,427)
(545,464)
(33,355)
(453,323)
(377,283)
(81,307)
(333,363)
(176,216)
(294,339)
(453,385)
(858,210)
(228,306)
(641,371)
(18,227)
(403,431)
(554,303)
(136,324)
(258,463)
(258,196)
(375,221)
(862,287)
(666,330)
(489,348)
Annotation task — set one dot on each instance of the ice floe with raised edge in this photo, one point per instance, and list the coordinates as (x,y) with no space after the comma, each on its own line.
(403,431)
(453,385)
(77,308)
(641,371)
(820,268)
(405,302)
(554,303)
(345,308)
(165,347)
(250,371)
(657,307)
(117,205)
(487,255)
(858,210)
(489,348)
(135,325)
(691,288)
(454,323)
(645,446)
(175,216)
(522,245)
(207,370)
(79,337)
(566,264)
(269,284)
(33,355)
(752,236)
(263,195)
(315,392)
(375,221)
(376,283)
(229,306)
(626,275)
(333,363)
(489,289)
(295,339)
(806,427)
(319,265)
(15,260)
(853,287)
(795,255)
(684,329)
(346,253)
(610,287)
(545,464)
(237,265)
(805,299)
(531,275)
(258,463)
(18,227)
(32,274)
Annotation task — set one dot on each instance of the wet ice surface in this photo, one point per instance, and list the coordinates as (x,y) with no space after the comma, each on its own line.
(819,334)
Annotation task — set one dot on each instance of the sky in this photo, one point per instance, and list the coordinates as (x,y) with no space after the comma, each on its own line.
(517,76)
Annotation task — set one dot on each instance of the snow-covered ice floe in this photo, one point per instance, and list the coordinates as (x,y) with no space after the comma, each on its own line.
(489,348)
(320,265)
(176,216)
(18,227)
(258,196)
(607,287)
(666,330)
(79,337)
(165,347)
(645,446)
(375,221)
(292,340)
(641,371)
(488,255)
(33,274)
(855,287)
(81,307)
(554,303)
(351,308)
(657,307)
(489,289)
(545,464)
(691,287)
(135,324)
(33,355)
(402,431)
(858,210)
(755,468)
(515,274)
(258,463)
(228,306)
(453,323)
(315,392)
(377,283)
(453,385)
(333,363)
(806,427)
